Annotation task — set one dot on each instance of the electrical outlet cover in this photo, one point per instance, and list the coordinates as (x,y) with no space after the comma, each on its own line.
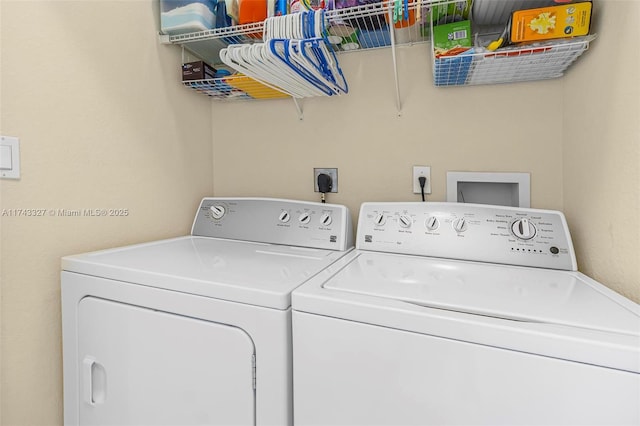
(421,171)
(331,172)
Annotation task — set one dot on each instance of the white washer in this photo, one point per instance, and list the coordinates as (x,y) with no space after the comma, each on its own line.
(459,314)
(196,329)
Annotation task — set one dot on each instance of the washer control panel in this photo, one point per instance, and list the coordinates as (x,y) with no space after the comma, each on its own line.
(475,232)
(276,221)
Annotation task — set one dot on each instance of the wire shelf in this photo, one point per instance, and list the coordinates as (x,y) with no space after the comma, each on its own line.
(358,27)
(509,65)
(234,87)
(349,29)
(371,26)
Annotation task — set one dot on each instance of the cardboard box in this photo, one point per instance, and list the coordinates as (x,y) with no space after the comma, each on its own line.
(446,11)
(198,70)
(442,12)
(452,39)
(551,22)
(452,49)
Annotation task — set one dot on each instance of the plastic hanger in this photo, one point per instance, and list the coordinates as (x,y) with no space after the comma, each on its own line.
(290,79)
(286,51)
(233,58)
(296,56)
(322,62)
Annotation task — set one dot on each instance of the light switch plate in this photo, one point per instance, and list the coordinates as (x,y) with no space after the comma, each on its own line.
(6,162)
(10,167)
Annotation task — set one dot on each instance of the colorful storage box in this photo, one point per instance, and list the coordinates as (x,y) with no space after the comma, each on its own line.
(198,70)
(452,51)
(446,11)
(185,16)
(546,23)
(452,39)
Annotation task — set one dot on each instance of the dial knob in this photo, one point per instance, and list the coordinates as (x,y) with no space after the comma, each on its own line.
(404,221)
(304,218)
(432,223)
(523,229)
(379,220)
(217,211)
(325,219)
(460,225)
(284,216)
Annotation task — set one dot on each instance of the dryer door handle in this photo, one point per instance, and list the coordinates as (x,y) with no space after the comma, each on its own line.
(94,379)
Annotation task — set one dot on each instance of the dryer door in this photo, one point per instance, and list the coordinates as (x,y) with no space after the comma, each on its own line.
(140,366)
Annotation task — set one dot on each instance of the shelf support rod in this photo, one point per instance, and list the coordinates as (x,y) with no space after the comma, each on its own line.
(393,56)
(299,109)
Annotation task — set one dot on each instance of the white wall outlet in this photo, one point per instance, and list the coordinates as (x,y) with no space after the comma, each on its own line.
(421,171)
(331,172)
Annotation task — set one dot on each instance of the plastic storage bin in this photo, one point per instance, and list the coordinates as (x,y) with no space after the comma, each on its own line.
(186,16)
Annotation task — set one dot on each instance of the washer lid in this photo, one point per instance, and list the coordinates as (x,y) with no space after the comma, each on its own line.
(247,272)
(507,292)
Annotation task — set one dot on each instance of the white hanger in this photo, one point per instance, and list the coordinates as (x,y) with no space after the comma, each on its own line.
(295,58)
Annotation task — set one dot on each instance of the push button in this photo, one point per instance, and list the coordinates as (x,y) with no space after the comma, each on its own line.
(5,157)
(9,157)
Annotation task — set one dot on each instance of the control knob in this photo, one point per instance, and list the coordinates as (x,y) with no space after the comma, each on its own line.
(326,219)
(460,225)
(217,211)
(284,216)
(523,229)
(379,220)
(404,221)
(432,223)
(304,218)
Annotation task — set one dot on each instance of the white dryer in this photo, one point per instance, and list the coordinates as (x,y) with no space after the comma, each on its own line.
(196,329)
(460,314)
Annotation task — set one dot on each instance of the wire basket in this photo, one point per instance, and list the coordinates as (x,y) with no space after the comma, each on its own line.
(538,61)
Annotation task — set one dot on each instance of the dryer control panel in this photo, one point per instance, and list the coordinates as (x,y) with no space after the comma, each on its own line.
(475,232)
(275,221)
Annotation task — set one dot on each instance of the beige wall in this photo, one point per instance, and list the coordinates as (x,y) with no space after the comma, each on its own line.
(601,152)
(102,123)
(263,149)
